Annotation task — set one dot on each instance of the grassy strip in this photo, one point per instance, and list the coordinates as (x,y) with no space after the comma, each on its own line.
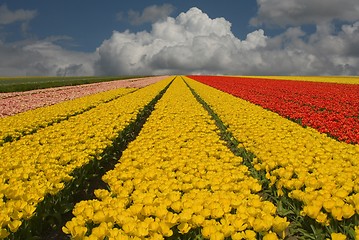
(55,210)
(20,134)
(25,84)
(300,227)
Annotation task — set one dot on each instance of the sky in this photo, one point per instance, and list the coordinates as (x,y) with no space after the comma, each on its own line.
(228,37)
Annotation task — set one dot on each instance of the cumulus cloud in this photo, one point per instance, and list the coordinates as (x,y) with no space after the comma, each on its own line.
(194,43)
(324,52)
(7,16)
(39,57)
(42,57)
(191,42)
(150,14)
(299,12)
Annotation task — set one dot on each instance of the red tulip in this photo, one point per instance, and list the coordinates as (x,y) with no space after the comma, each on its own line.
(328,107)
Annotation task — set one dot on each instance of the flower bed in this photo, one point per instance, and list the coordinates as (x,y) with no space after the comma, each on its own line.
(41,163)
(311,168)
(17,102)
(328,107)
(178,179)
(14,127)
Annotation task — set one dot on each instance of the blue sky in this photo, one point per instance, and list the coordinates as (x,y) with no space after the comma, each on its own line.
(89,24)
(263,37)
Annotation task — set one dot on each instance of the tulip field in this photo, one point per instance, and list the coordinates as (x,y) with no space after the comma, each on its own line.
(182,157)
(327,107)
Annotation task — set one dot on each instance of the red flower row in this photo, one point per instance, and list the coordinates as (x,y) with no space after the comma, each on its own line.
(328,107)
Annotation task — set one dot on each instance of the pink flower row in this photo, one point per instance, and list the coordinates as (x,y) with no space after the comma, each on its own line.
(17,102)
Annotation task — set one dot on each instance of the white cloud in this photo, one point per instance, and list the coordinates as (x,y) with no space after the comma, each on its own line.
(194,43)
(150,14)
(43,58)
(299,12)
(7,16)
(323,53)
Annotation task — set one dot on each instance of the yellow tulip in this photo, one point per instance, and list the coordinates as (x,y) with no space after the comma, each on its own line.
(78,232)
(4,233)
(280,225)
(185,215)
(161,212)
(184,228)
(208,230)
(154,226)
(338,236)
(14,225)
(238,236)
(329,205)
(228,230)
(87,213)
(129,227)
(171,218)
(156,236)
(337,213)
(142,229)
(68,227)
(250,235)
(323,219)
(100,232)
(16,215)
(356,232)
(261,225)
(205,212)
(217,213)
(99,217)
(148,211)
(101,193)
(270,236)
(341,193)
(239,224)
(135,209)
(348,211)
(312,210)
(217,236)
(197,220)
(165,230)
(174,196)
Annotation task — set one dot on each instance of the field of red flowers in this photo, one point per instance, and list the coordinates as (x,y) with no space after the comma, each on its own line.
(328,107)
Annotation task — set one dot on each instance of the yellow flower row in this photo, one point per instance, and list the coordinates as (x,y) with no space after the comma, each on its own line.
(330,79)
(319,171)
(24,123)
(177,174)
(40,163)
